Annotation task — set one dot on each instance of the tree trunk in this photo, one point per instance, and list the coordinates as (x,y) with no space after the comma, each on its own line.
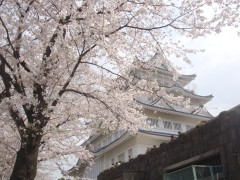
(25,167)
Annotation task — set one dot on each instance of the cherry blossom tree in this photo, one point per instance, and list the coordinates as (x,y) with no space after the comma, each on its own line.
(65,68)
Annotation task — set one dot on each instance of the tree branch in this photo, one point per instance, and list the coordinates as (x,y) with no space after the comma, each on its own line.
(7,78)
(88,95)
(72,74)
(19,122)
(118,75)
(8,36)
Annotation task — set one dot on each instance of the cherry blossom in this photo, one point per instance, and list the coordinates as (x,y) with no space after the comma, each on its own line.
(66,69)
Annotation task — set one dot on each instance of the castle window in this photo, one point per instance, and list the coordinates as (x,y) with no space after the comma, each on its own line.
(177,126)
(121,157)
(153,122)
(167,125)
(113,161)
(130,153)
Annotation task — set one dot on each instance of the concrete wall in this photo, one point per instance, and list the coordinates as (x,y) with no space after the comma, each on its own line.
(218,137)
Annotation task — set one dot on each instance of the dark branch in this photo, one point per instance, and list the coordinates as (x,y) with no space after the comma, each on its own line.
(1,2)
(116,74)
(88,95)
(17,120)
(62,123)
(5,61)
(119,28)
(72,74)
(7,79)
(8,36)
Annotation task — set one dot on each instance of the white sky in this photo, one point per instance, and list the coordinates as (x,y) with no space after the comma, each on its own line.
(217,69)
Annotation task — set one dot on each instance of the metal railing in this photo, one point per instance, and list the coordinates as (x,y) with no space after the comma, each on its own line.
(197,172)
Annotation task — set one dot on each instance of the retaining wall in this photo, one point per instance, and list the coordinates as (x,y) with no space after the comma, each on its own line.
(219,137)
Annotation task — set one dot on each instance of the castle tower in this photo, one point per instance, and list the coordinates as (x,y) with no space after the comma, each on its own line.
(166,121)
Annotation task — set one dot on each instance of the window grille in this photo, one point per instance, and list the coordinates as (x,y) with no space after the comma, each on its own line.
(197,172)
(130,153)
(113,161)
(121,157)
(153,122)
(167,125)
(177,126)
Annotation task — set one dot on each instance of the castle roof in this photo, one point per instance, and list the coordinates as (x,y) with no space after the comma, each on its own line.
(113,143)
(160,105)
(162,69)
(161,75)
(189,94)
(142,132)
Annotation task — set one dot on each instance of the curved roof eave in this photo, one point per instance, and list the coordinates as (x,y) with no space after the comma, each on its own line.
(90,139)
(191,94)
(187,76)
(112,144)
(168,111)
(154,135)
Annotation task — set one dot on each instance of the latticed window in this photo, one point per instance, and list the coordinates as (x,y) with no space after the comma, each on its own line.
(177,126)
(153,122)
(121,157)
(130,153)
(167,125)
(113,161)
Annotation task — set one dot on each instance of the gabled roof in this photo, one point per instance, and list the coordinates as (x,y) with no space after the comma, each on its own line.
(161,105)
(150,133)
(156,133)
(165,64)
(160,74)
(124,136)
(104,147)
(189,94)
(163,69)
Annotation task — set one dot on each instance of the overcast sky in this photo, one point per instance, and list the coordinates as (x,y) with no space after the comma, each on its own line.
(217,69)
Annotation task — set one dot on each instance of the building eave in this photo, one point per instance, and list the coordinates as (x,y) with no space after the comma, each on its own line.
(111,145)
(190,94)
(77,170)
(141,132)
(175,112)
(186,77)
(90,139)
(156,135)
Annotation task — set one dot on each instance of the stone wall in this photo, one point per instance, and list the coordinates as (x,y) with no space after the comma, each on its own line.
(218,137)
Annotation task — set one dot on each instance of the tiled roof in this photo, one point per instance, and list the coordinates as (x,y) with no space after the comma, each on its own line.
(156,133)
(162,106)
